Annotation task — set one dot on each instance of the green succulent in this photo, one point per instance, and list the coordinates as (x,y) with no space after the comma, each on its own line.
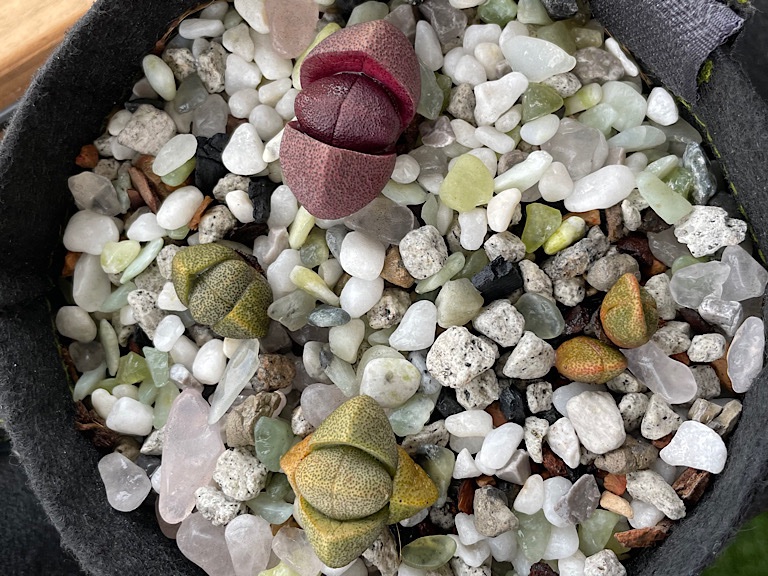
(352,479)
(222,290)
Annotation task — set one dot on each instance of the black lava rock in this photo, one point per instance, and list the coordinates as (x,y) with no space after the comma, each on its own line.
(561,9)
(512,405)
(209,168)
(498,279)
(447,405)
(259,191)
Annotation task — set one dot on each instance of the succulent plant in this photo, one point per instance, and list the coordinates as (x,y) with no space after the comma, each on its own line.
(361,86)
(628,313)
(585,359)
(222,290)
(351,479)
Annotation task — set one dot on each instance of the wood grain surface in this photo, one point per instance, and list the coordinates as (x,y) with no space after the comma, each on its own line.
(30,30)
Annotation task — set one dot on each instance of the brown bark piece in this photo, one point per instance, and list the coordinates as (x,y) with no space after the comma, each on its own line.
(498,416)
(682,357)
(466,496)
(552,462)
(614,222)
(141,184)
(664,441)
(88,157)
(721,369)
(690,485)
(70,260)
(616,483)
(644,537)
(195,221)
(394,270)
(591,217)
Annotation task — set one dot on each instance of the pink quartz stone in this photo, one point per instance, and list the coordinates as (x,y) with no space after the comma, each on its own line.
(191,448)
(292,24)
(205,545)
(168,530)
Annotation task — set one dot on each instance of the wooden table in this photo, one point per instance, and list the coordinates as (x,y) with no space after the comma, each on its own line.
(30,30)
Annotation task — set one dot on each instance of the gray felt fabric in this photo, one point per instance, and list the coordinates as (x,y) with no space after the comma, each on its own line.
(670,37)
(64,109)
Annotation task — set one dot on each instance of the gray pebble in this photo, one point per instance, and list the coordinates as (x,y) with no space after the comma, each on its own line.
(215,224)
(658,287)
(104,145)
(673,337)
(532,358)
(597,65)
(389,310)
(300,426)
(457,369)
(631,216)
(492,514)
(423,252)
(509,159)
(501,322)
(704,411)
(539,397)
(725,314)
(659,419)
(107,167)
(462,103)
(480,392)
(434,433)
(706,347)
(506,245)
(443,516)
(461,568)
(165,260)
(580,502)
(633,455)
(239,474)
(707,382)
(153,444)
(150,280)
(625,383)
(211,65)
(604,563)
(726,421)
(216,506)
(534,431)
(604,273)
(650,487)
(181,61)
(575,260)
(242,418)
(383,554)
(229,183)
(708,228)
(201,334)
(565,84)
(517,470)
(147,131)
(428,384)
(569,291)
(145,310)
(633,407)
(535,279)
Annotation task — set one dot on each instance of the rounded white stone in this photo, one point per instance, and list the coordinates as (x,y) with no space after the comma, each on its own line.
(427,46)
(210,362)
(278,273)
(465,466)
(103,402)
(495,97)
(597,421)
(271,64)
(563,542)
(74,322)
(90,284)
(601,189)
(540,130)
(416,330)
(390,381)
(499,445)
(480,33)
(469,71)
(285,107)
(88,232)
(119,121)
(406,169)
(242,102)
(362,256)
(283,207)
(126,484)
(469,423)
(495,140)
(474,225)
(661,107)
(465,526)
(266,121)
(129,416)
(536,58)
(179,207)
(345,340)
(184,352)
(696,445)
(243,153)
(630,68)
(501,208)
(192,28)
(174,154)
(239,203)
(159,76)
(510,119)
(145,228)
(554,489)
(168,331)
(530,499)
(359,296)
(169,300)
(238,41)
(562,438)
(125,391)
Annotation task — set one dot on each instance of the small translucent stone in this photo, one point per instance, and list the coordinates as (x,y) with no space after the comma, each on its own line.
(537,59)
(696,445)
(541,222)
(467,185)
(160,76)
(692,284)
(292,547)
(412,415)
(474,225)
(74,322)
(530,499)
(457,303)
(126,484)
(416,330)
(494,98)
(146,256)
(501,209)
(542,317)
(630,105)
(238,372)
(249,541)
(595,532)
(672,380)
(273,437)
(168,331)
(525,174)
(469,423)
(533,535)
(390,381)
(745,354)
(747,278)
(91,285)
(427,46)
(669,205)
(243,153)
(179,207)
(453,265)
(95,193)
(601,189)
(204,544)
(362,256)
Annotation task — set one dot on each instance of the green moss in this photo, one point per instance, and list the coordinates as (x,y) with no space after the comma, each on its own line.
(706,72)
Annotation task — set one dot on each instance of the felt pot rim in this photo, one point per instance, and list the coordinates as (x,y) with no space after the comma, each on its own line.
(90,73)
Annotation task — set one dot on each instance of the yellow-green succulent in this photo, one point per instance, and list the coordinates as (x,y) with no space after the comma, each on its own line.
(585,359)
(352,479)
(222,290)
(628,313)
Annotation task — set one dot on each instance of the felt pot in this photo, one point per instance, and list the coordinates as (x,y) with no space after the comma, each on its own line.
(65,108)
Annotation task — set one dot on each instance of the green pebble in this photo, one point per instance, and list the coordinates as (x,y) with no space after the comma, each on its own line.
(88,382)
(600,117)
(541,221)
(571,230)
(559,33)
(381,337)
(178,176)
(542,316)
(122,183)
(457,303)
(667,203)
(680,181)
(178,233)
(540,100)
(500,12)
(148,392)
(300,228)
(273,438)
(292,310)
(587,37)
(367,12)
(108,339)
(438,463)
(159,367)
(165,397)
(411,417)
(116,256)
(131,369)
(664,166)
(467,185)
(431,101)
(586,97)
(445,83)
(342,374)
(473,263)
(322,35)
(532,12)
(315,250)
(311,283)
(107,384)
(143,260)
(406,194)
(281,569)
(429,552)
(595,531)
(683,261)
(118,298)
(429,210)
(533,534)
(452,266)
(279,487)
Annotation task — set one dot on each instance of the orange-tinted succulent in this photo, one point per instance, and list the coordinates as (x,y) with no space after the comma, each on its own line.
(585,359)
(628,313)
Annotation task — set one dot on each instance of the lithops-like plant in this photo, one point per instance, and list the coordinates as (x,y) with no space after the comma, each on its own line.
(585,359)
(222,290)
(360,86)
(351,479)
(628,313)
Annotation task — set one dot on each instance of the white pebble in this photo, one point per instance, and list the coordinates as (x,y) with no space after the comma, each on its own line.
(525,174)
(696,445)
(242,102)
(345,340)
(451,59)
(465,466)
(540,130)
(254,12)
(536,58)
(192,28)
(125,483)
(145,228)
(661,107)
(362,256)
(469,423)
(501,208)
(499,445)
(495,140)
(168,331)
(496,97)
(597,421)
(283,207)
(271,92)
(179,207)
(174,154)
(125,391)
(554,489)
(469,70)
(90,284)
(530,499)
(407,168)
(88,232)
(284,107)
(159,76)
(210,362)
(427,46)
(474,225)
(359,296)
(601,189)
(465,526)
(562,438)
(167,299)
(238,41)
(479,33)
(118,121)
(74,322)
(129,416)
(630,68)
(266,121)
(271,64)
(556,183)
(240,75)
(416,330)
(278,273)
(184,352)
(239,203)
(103,402)
(243,153)
(510,119)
